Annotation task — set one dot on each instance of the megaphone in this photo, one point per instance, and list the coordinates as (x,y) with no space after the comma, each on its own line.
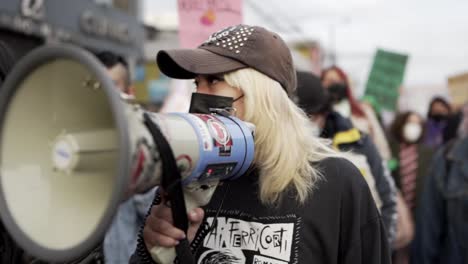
(71,150)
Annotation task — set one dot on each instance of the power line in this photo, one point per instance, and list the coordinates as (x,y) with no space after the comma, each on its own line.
(293,26)
(279,20)
(267,17)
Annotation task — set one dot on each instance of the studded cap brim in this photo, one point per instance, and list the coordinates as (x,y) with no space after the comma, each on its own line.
(188,63)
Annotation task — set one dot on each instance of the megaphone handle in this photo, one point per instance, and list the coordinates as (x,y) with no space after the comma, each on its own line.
(195,196)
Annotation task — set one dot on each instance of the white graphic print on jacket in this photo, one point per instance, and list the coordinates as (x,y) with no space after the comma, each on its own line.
(269,240)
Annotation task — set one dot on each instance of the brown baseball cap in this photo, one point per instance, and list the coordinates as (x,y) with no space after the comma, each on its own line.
(230,49)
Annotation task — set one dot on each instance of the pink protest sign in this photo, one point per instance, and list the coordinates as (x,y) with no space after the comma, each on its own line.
(198,19)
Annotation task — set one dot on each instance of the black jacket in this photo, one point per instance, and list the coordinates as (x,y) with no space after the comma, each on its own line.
(339,223)
(442,217)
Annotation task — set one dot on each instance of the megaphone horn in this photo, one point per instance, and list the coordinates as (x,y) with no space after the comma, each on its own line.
(71,150)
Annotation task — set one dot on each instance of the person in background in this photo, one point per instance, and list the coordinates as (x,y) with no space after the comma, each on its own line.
(412,158)
(121,239)
(453,123)
(442,229)
(315,101)
(362,115)
(313,206)
(118,70)
(437,119)
(406,135)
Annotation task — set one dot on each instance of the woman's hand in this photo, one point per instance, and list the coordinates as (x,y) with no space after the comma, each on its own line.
(160,231)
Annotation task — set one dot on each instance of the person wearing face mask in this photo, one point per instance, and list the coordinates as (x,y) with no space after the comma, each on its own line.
(406,135)
(362,115)
(412,158)
(300,202)
(359,148)
(442,230)
(437,119)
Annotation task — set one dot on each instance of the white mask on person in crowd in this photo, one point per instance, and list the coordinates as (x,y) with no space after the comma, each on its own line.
(412,132)
(343,108)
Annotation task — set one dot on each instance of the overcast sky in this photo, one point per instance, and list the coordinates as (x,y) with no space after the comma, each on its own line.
(434,33)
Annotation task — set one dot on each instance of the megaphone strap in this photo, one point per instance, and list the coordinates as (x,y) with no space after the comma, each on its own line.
(171,182)
(141,251)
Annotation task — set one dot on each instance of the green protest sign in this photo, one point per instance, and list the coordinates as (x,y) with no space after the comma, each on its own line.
(385,78)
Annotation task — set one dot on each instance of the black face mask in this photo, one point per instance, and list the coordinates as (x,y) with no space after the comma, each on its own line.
(337,92)
(207,103)
(438,117)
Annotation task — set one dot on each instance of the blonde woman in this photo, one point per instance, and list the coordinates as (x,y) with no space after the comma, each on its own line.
(301,203)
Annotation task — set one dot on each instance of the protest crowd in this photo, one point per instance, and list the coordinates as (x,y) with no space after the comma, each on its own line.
(339,174)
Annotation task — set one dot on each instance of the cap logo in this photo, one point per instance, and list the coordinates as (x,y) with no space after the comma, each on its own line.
(223,33)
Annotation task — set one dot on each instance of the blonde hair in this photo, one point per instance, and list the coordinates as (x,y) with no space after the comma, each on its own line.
(285,148)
